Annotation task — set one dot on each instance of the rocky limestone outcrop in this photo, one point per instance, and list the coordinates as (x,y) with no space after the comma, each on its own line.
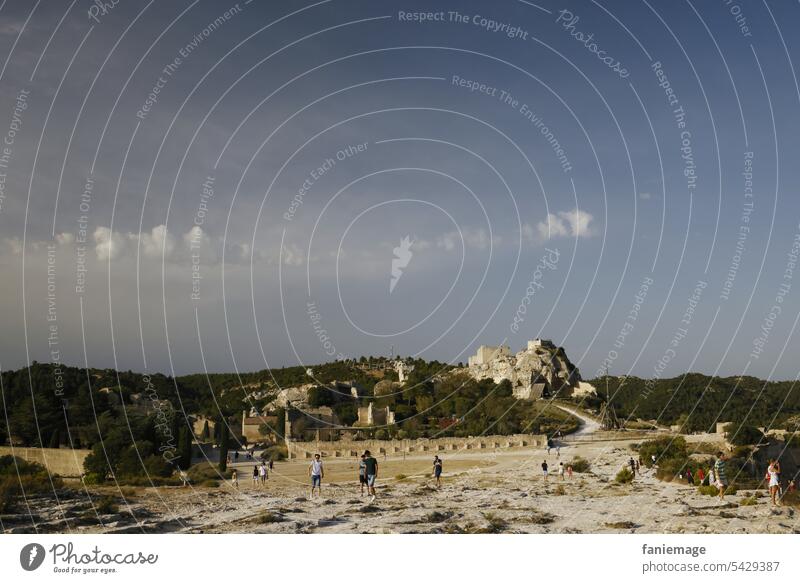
(542,369)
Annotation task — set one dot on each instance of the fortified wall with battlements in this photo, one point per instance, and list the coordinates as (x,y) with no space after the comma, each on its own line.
(400,447)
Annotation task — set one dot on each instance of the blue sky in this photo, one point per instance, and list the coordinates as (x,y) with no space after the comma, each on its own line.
(326,133)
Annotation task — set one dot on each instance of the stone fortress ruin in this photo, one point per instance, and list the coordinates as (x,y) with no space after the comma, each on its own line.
(542,369)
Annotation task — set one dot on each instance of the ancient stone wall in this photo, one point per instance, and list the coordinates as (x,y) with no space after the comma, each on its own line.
(398,447)
(67,463)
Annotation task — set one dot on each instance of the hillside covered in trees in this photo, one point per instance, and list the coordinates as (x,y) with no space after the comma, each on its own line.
(698,402)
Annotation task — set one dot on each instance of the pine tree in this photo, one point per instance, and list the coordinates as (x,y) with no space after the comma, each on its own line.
(223,446)
(55,439)
(184,448)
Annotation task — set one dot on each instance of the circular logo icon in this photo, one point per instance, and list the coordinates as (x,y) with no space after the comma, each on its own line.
(31,556)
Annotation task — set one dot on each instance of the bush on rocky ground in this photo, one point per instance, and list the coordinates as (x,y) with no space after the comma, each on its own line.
(18,476)
(624,476)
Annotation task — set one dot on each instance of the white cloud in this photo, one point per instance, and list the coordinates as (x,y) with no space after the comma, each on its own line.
(575,223)
(473,239)
(15,244)
(293,255)
(157,242)
(107,244)
(65,239)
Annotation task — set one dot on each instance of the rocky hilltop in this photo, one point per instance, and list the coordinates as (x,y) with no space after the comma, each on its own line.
(542,369)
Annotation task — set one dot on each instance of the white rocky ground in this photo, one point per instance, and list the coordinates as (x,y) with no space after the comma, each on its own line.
(482,492)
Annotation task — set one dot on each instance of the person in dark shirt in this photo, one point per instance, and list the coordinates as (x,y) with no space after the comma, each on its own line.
(437,470)
(371,466)
(362,473)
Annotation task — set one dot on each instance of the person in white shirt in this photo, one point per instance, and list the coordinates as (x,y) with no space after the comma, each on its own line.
(773,471)
(317,472)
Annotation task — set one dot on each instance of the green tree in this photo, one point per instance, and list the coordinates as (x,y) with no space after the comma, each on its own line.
(223,446)
(184,448)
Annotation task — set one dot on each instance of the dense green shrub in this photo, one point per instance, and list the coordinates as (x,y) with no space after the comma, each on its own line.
(743,434)
(275,453)
(624,476)
(106,505)
(580,465)
(663,448)
(18,476)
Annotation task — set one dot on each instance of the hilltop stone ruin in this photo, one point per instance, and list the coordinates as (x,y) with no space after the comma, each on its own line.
(540,370)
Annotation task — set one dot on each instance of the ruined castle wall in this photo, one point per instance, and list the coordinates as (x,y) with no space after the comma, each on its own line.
(67,463)
(397,447)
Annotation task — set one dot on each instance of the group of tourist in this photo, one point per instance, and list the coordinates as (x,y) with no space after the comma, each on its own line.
(563,470)
(635,467)
(260,474)
(367,474)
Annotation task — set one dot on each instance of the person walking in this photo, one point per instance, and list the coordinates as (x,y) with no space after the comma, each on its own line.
(372,473)
(638,467)
(317,472)
(719,473)
(632,465)
(569,472)
(262,473)
(561,471)
(271,465)
(362,473)
(235,479)
(255,476)
(544,471)
(701,475)
(689,477)
(774,482)
(437,470)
